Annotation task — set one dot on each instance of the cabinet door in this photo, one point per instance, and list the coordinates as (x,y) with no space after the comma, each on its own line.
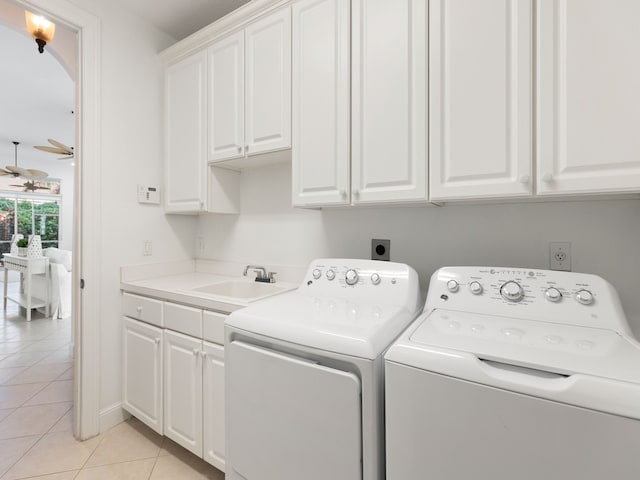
(213,404)
(142,372)
(226,98)
(320,143)
(389,162)
(268,83)
(588,96)
(185,135)
(480,87)
(183,390)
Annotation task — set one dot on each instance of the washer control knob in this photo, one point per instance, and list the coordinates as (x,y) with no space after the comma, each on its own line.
(351,277)
(585,297)
(316,274)
(553,294)
(475,288)
(331,274)
(512,291)
(375,279)
(453,286)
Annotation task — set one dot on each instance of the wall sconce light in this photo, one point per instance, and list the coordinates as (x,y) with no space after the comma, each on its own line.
(41,29)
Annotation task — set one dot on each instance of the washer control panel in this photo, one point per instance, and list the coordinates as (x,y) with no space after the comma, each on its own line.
(544,295)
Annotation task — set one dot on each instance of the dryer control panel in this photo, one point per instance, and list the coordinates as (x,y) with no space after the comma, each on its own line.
(559,297)
(384,282)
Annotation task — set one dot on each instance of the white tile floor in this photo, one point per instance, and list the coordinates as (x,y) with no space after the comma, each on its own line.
(36,402)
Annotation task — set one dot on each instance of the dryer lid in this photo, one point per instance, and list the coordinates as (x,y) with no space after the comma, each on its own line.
(356,328)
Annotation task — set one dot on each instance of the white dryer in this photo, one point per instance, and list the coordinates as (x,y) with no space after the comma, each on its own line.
(514,374)
(304,373)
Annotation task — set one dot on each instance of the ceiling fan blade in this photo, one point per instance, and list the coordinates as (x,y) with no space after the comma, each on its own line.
(4,172)
(59,151)
(17,171)
(35,174)
(61,146)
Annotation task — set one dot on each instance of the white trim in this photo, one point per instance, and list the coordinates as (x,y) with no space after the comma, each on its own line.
(112,416)
(86,222)
(232,22)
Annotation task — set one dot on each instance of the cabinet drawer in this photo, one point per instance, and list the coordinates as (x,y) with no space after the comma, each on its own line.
(142,308)
(187,320)
(213,326)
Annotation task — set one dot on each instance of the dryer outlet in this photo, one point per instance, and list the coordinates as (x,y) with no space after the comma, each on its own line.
(380,249)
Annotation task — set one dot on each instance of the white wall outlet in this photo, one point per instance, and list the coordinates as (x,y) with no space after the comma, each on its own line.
(200,244)
(148,248)
(560,256)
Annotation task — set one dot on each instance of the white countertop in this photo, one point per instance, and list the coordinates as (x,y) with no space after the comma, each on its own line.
(179,288)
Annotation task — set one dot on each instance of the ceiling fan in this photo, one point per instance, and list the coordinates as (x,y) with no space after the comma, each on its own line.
(16,171)
(58,148)
(31,186)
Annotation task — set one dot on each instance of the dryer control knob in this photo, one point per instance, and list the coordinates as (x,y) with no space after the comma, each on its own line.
(375,279)
(512,291)
(317,274)
(351,277)
(453,286)
(585,297)
(475,288)
(331,274)
(553,294)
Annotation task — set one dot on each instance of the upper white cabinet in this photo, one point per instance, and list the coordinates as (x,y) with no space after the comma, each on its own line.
(588,96)
(226,98)
(320,142)
(185,135)
(250,89)
(383,49)
(268,83)
(389,100)
(480,87)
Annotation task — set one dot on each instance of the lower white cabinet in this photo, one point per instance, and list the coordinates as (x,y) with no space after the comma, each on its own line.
(213,404)
(142,372)
(174,382)
(183,390)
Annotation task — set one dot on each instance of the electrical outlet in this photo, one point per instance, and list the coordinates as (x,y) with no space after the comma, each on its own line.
(560,256)
(200,244)
(148,248)
(380,249)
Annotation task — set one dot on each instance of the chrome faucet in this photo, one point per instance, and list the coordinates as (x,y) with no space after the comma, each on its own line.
(262,276)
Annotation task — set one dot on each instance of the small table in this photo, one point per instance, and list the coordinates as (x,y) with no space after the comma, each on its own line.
(27,266)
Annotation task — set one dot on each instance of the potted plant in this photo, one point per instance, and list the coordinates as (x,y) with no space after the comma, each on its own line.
(22,245)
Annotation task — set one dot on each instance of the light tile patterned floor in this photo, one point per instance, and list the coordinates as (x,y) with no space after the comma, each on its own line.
(36,403)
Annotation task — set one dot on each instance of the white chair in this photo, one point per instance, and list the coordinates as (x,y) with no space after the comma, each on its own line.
(60,286)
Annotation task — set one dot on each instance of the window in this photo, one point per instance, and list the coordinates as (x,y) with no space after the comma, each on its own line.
(35,217)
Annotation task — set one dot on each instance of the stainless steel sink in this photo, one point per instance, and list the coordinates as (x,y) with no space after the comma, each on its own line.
(241,289)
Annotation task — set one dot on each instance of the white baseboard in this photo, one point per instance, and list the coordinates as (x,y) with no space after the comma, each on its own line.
(112,416)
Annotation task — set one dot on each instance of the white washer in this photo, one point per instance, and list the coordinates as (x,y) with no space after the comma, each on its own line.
(514,374)
(304,373)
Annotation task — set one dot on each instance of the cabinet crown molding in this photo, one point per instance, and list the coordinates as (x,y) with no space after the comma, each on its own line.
(230,23)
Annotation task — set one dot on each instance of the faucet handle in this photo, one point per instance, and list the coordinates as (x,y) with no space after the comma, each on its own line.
(271,275)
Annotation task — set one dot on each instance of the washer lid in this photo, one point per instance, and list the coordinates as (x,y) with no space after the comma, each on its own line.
(356,328)
(549,347)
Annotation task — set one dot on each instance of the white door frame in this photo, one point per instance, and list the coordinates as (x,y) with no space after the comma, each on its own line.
(86,225)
